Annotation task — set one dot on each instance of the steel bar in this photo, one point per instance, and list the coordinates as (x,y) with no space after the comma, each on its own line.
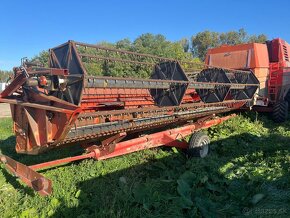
(35,105)
(31,178)
(61,161)
(168,138)
(157,58)
(18,81)
(130,83)
(49,71)
(123,51)
(98,57)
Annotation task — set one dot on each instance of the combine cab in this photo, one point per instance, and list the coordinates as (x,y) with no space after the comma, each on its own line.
(270,64)
(67,104)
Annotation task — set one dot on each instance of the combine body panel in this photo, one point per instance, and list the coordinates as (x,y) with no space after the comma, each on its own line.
(68,103)
(269,62)
(253,56)
(279,78)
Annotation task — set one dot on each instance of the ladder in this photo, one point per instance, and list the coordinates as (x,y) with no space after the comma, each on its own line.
(273,81)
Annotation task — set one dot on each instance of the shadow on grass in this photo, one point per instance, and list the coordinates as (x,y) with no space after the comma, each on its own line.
(266,119)
(8,148)
(244,175)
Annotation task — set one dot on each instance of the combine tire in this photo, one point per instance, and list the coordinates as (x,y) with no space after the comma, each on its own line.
(280,111)
(198,145)
(287,98)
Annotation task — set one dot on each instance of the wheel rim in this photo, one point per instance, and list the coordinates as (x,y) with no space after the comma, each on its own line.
(203,148)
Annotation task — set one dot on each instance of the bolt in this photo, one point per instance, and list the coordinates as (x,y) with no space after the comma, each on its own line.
(3,159)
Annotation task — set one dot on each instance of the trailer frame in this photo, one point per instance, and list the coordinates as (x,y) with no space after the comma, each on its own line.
(109,148)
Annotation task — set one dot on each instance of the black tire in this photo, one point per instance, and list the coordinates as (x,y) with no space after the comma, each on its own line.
(287,98)
(198,145)
(280,111)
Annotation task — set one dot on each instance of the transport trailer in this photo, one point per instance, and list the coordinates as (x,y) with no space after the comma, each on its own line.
(71,102)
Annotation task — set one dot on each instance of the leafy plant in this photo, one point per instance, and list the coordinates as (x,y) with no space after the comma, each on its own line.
(247,171)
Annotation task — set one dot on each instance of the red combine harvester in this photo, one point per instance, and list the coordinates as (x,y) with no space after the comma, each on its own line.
(269,62)
(67,104)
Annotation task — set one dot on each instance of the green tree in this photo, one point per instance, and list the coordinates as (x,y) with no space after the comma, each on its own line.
(259,39)
(5,75)
(42,58)
(124,44)
(185,44)
(156,45)
(202,41)
(233,37)
(151,44)
(146,43)
(160,46)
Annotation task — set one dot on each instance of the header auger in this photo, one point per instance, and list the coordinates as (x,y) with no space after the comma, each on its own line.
(72,102)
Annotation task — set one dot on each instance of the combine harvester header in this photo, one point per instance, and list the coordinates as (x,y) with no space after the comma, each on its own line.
(68,104)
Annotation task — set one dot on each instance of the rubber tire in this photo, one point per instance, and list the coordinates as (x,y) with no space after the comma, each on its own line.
(287,98)
(280,111)
(198,145)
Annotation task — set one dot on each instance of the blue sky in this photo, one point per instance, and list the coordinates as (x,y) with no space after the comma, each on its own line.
(28,27)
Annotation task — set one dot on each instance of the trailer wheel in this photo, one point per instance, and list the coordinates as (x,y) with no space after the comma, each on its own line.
(280,111)
(198,145)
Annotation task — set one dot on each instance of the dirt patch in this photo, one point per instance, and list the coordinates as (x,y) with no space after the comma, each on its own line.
(5,110)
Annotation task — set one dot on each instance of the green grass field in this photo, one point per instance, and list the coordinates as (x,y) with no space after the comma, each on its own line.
(246,174)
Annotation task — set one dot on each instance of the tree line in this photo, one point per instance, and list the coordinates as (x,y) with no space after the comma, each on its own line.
(202,41)
(4,75)
(190,50)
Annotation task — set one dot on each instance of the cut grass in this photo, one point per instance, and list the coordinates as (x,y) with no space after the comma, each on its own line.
(246,173)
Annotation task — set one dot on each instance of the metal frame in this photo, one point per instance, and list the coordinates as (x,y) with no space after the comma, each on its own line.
(109,148)
(64,105)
